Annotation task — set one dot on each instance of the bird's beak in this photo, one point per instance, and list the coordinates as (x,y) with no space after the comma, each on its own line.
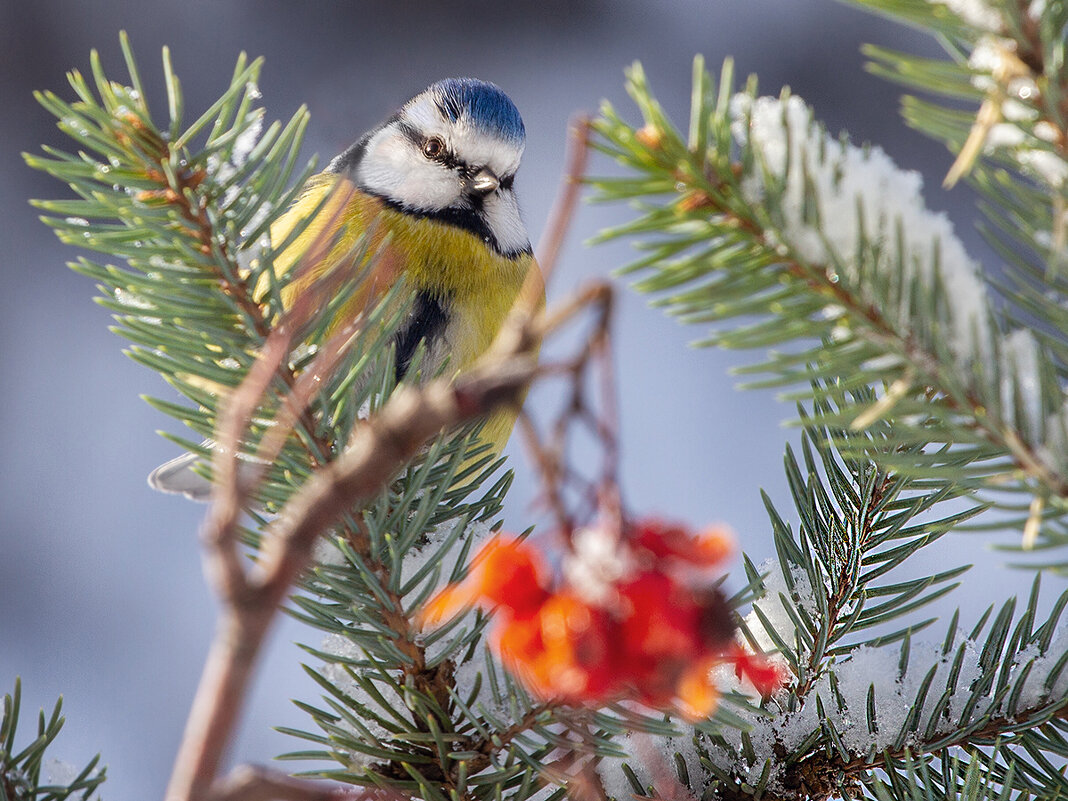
(483,182)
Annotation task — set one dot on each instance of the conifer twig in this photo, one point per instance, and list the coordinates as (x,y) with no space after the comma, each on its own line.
(376,450)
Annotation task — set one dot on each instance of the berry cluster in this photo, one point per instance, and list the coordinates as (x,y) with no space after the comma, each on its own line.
(631,618)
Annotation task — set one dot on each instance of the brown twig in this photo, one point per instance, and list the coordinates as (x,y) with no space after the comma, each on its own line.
(563,209)
(550,453)
(255,783)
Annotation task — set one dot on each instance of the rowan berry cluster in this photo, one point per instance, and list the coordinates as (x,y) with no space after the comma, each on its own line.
(633,616)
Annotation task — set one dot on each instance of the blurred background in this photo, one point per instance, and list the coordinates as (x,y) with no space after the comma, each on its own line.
(102,597)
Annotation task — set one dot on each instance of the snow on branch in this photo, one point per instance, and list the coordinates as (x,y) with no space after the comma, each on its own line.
(783,237)
(853,209)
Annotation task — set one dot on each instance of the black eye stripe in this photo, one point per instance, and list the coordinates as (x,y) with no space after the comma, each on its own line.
(413,135)
(410,133)
(447,158)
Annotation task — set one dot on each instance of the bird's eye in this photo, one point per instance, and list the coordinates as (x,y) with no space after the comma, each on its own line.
(433,148)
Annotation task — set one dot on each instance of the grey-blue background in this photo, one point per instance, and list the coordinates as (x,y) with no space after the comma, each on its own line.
(101,593)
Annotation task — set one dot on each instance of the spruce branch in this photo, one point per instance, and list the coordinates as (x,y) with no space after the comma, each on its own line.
(377,449)
(278,389)
(24,772)
(780,236)
(866,694)
(1014,149)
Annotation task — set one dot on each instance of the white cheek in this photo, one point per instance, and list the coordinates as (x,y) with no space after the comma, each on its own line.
(391,168)
(502,216)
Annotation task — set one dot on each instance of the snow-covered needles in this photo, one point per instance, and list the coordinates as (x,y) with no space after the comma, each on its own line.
(781,237)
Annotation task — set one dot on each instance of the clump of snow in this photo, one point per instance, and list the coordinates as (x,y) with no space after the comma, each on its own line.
(869,668)
(1020,392)
(837,194)
(1045,165)
(131,299)
(986,60)
(596,563)
(474,671)
(977,13)
(246,140)
(1027,138)
(58,772)
(773,609)
(263,211)
(1047,131)
(1004,135)
(475,534)
(326,552)
(653,761)
(1041,685)
(1054,450)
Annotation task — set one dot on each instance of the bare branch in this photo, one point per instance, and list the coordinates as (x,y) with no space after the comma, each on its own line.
(255,783)
(599,495)
(563,209)
(224,565)
(223,562)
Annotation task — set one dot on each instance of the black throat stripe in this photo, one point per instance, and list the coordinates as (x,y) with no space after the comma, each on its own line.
(426,321)
(470,220)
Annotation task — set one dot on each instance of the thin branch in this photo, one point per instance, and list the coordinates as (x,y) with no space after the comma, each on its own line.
(563,209)
(226,569)
(550,457)
(255,783)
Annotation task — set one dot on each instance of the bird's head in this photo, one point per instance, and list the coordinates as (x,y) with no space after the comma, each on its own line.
(450,153)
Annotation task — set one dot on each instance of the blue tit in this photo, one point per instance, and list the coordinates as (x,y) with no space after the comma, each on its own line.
(433,189)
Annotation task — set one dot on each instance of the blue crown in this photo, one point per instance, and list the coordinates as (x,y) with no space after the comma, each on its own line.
(481,104)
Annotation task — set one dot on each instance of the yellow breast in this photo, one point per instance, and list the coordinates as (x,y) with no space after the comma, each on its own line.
(479,285)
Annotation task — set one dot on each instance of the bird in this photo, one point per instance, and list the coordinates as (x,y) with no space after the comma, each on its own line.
(433,186)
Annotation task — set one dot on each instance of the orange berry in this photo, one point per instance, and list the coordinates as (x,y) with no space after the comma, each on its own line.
(510,573)
(765,676)
(697,695)
(668,540)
